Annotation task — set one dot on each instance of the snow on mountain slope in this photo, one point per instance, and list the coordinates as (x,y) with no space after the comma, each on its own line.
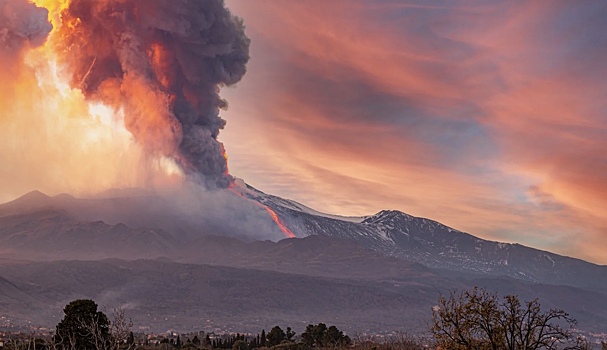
(435,245)
(252,193)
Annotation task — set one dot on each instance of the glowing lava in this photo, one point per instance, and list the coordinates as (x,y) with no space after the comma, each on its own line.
(288,233)
(285,230)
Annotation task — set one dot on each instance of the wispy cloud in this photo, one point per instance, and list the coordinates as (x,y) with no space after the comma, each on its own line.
(488,116)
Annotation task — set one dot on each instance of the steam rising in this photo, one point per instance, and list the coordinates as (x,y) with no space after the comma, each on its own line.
(162,64)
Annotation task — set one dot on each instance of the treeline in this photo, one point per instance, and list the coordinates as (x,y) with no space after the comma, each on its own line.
(315,336)
(469,320)
(273,338)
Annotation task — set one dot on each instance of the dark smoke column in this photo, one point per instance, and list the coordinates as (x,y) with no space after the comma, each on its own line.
(163,63)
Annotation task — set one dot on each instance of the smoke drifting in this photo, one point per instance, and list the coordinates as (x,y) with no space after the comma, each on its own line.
(21,23)
(161,63)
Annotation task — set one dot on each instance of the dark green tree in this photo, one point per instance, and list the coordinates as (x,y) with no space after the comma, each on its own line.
(262,338)
(130,341)
(275,336)
(207,341)
(196,341)
(289,334)
(320,336)
(83,327)
(333,337)
(313,335)
(240,345)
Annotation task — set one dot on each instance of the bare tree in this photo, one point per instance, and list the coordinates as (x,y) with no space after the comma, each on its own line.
(55,343)
(120,328)
(476,320)
(24,342)
(97,333)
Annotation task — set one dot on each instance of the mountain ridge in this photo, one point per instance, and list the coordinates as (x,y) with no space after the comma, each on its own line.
(388,232)
(378,272)
(438,246)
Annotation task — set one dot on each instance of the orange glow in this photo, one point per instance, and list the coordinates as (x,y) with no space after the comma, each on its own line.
(225,156)
(369,111)
(54,140)
(54,8)
(161,58)
(281,225)
(288,233)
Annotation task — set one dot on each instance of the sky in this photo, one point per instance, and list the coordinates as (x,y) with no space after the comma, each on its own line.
(487,116)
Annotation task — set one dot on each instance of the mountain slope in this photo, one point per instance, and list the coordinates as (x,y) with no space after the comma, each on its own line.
(435,245)
(163,295)
(365,274)
(313,256)
(161,226)
(167,295)
(48,234)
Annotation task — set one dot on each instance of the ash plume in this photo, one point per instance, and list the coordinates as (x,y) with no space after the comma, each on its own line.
(162,63)
(21,23)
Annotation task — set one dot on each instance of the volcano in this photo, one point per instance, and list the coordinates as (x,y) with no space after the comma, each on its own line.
(165,254)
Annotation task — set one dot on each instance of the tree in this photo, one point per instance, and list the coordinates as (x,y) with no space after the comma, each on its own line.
(207,341)
(333,337)
(262,340)
(477,319)
(83,327)
(240,345)
(130,341)
(120,331)
(312,336)
(289,334)
(196,341)
(275,336)
(320,336)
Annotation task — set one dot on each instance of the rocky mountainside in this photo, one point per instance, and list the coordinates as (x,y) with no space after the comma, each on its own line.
(437,246)
(143,225)
(183,268)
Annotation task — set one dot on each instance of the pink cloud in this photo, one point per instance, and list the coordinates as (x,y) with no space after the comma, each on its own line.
(448,112)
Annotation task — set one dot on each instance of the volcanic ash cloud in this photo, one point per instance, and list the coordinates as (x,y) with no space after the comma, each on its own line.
(162,64)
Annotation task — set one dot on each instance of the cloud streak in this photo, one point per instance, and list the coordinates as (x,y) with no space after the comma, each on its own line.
(488,116)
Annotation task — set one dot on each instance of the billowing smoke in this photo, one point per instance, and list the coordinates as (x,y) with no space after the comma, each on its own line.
(162,63)
(21,24)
